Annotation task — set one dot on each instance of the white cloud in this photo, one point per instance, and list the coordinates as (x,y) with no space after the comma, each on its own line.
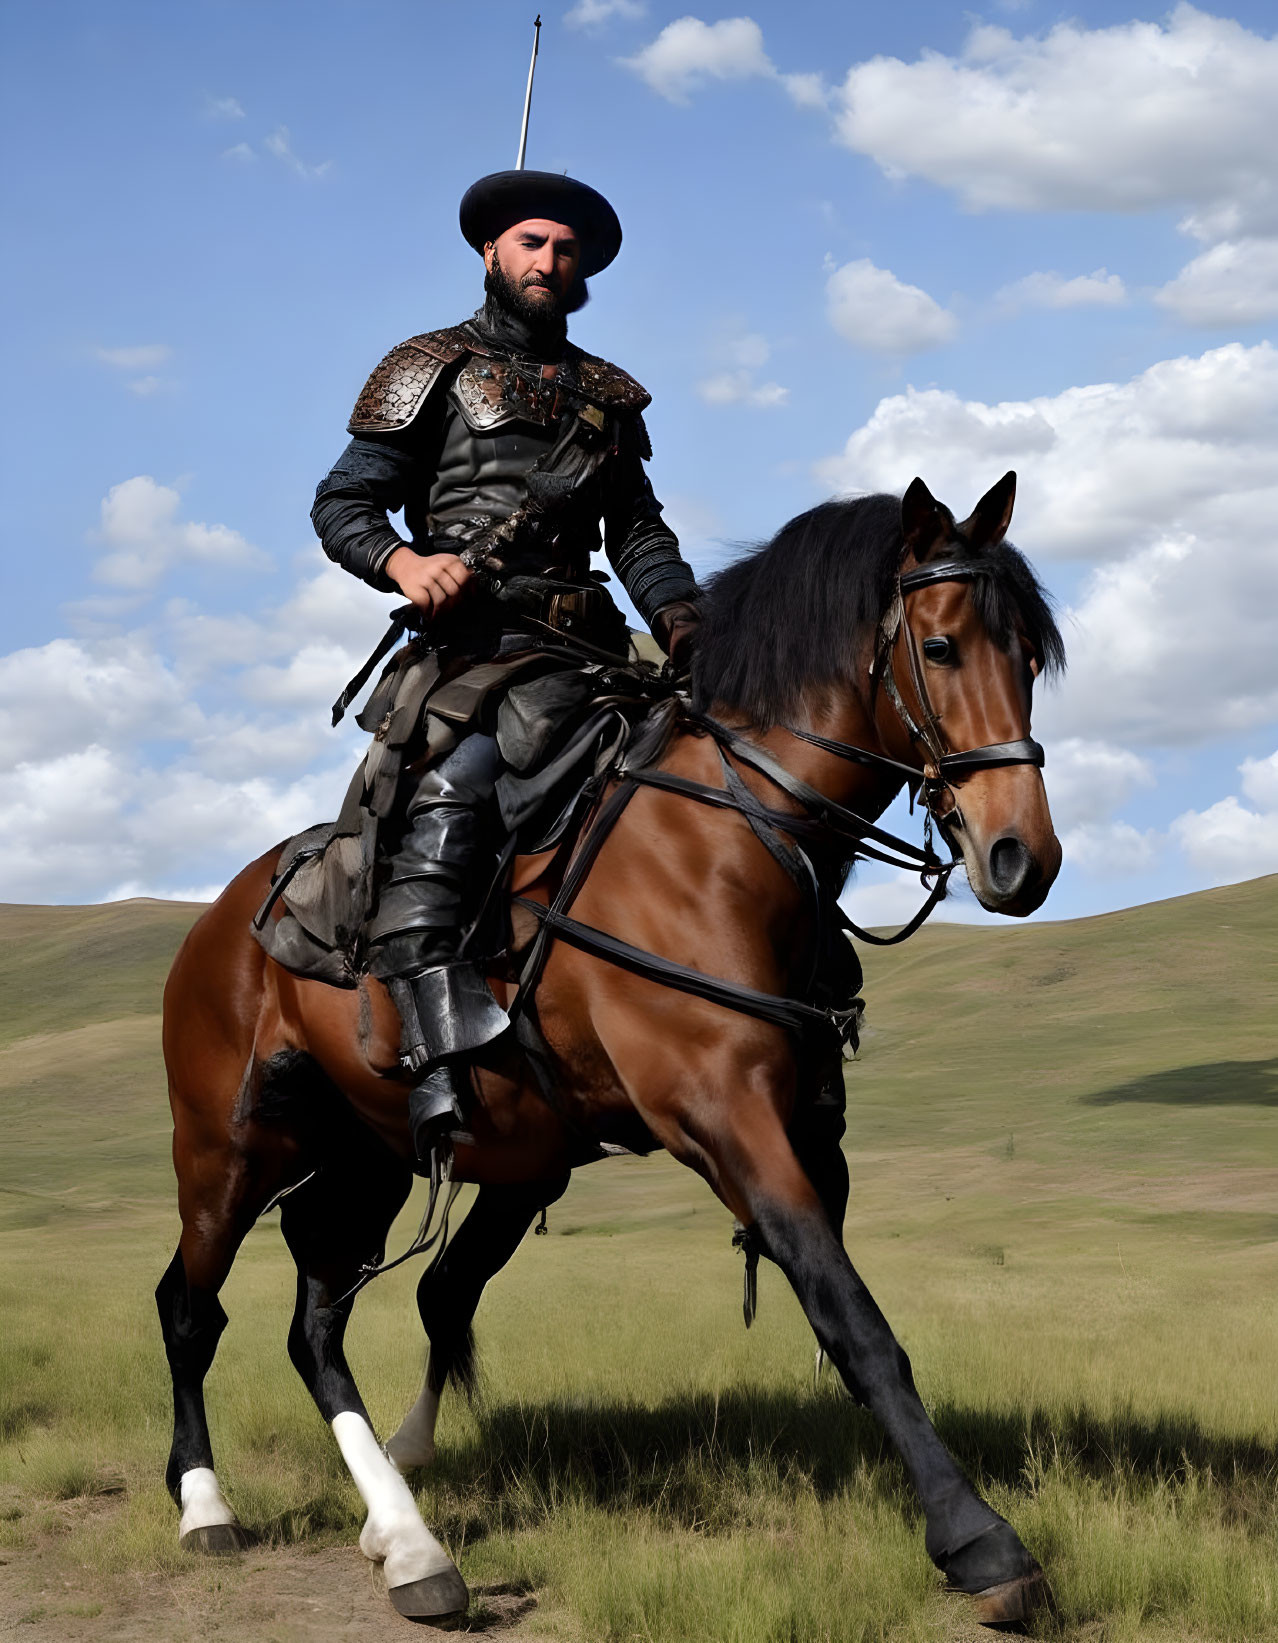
(740,388)
(1088,780)
(1125,118)
(133,763)
(223,108)
(806,90)
(280,144)
(242,153)
(1188,446)
(1174,645)
(1260,781)
(688,53)
(97,821)
(1109,849)
(1172,480)
(1234,283)
(144,387)
(145,538)
(744,352)
(57,697)
(1228,841)
(145,356)
(1051,290)
(870,307)
(592,13)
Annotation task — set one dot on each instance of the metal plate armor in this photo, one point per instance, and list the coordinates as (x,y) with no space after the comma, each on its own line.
(402,382)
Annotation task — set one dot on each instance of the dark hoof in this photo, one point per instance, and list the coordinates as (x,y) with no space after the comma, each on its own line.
(1014,1602)
(442,1599)
(218,1540)
(996,1557)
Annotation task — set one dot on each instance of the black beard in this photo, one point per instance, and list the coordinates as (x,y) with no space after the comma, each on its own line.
(538,314)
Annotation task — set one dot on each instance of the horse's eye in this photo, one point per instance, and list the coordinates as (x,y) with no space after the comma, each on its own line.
(941,649)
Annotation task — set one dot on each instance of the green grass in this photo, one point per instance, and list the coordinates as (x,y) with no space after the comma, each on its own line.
(1064,1159)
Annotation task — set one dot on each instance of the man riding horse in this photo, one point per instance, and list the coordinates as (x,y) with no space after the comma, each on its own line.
(506,446)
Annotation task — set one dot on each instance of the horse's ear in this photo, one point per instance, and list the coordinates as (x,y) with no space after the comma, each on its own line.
(925,522)
(992,515)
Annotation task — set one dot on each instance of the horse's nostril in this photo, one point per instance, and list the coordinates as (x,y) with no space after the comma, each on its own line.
(1011,865)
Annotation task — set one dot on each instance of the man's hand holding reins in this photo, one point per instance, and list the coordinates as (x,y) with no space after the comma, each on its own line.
(434,582)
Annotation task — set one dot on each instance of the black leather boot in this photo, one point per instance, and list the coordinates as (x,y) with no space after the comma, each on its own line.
(435,876)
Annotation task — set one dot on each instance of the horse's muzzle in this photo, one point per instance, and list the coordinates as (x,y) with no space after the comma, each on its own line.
(1013,880)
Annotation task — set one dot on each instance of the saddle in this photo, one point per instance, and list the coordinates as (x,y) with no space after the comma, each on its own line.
(563,723)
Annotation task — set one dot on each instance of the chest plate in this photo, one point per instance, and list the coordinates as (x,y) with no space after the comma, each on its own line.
(490,393)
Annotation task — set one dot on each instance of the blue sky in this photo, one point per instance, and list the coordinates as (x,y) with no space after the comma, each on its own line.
(861,243)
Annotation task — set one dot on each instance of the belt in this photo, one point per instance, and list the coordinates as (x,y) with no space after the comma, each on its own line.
(567,607)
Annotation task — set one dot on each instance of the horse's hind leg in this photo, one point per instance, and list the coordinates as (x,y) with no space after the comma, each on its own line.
(334,1224)
(448,1295)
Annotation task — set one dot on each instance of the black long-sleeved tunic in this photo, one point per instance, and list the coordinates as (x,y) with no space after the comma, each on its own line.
(453,481)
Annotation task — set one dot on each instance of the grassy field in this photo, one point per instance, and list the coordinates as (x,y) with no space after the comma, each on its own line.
(1064,1150)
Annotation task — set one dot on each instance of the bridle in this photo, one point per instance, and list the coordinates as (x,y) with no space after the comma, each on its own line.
(939,764)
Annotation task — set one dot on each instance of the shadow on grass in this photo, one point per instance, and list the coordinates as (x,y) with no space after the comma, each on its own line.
(702,1461)
(1215,1084)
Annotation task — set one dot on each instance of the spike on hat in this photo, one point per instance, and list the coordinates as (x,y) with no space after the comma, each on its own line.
(497,202)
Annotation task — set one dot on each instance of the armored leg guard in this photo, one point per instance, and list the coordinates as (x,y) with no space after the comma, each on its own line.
(448,1012)
(444,1003)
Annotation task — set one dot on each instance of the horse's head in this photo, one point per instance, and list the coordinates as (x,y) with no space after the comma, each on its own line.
(957,658)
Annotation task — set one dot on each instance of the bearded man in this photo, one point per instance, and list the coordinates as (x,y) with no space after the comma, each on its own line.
(506,447)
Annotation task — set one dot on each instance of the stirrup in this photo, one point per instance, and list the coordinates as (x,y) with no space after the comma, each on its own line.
(434,1109)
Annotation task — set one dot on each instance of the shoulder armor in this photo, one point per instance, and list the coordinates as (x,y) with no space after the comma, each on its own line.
(397,389)
(609,384)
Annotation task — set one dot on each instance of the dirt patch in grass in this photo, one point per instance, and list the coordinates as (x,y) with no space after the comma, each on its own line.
(278,1594)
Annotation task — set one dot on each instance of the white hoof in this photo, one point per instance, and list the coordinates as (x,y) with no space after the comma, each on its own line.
(405,1548)
(394,1534)
(208,1524)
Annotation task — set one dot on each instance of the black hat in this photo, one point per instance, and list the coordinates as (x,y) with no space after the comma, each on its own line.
(496,203)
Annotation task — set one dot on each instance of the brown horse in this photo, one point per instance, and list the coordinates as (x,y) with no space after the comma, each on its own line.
(868,639)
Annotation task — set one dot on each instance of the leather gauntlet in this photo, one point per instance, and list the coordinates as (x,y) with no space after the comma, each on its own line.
(675,629)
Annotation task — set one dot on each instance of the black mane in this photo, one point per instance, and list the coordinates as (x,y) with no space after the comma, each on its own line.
(796,614)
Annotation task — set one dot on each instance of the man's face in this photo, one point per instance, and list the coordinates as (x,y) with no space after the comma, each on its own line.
(538,261)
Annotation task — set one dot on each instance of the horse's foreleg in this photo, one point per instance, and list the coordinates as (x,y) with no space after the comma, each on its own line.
(219,1204)
(448,1296)
(815,1135)
(745,1152)
(331,1230)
